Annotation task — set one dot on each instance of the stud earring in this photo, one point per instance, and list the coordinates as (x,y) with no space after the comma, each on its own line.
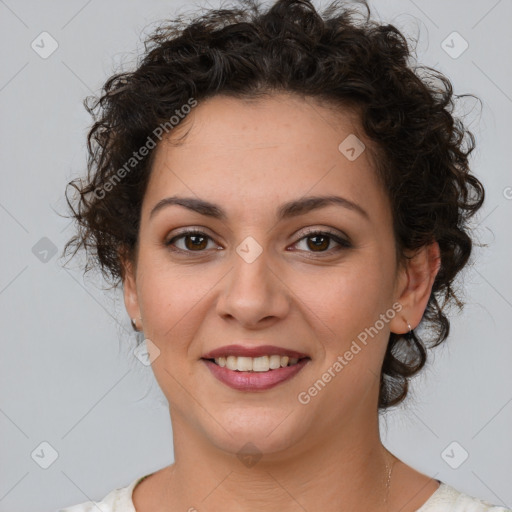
(134,324)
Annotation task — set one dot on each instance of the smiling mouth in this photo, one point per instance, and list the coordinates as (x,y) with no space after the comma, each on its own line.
(256,364)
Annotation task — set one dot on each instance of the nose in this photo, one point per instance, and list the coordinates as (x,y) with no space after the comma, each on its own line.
(254,294)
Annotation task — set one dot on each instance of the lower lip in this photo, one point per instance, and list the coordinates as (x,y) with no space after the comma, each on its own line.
(254,381)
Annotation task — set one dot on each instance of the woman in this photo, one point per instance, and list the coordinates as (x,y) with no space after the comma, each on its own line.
(284,201)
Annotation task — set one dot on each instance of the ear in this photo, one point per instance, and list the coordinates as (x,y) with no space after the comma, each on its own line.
(131,299)
(414,285)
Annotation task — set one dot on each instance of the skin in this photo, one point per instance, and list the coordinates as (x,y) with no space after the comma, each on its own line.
(248,158)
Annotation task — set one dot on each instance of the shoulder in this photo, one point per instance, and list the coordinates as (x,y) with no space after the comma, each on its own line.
(449,499)
(118,500)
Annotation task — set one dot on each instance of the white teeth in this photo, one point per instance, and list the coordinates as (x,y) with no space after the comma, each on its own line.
(230,362)
(274,362)
(256,364)
(261,364)
(244,364)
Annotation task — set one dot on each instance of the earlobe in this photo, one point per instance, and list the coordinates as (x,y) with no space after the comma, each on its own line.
(417,279)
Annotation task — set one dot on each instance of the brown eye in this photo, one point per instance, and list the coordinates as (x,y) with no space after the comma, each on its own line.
(320,241)
(193,241)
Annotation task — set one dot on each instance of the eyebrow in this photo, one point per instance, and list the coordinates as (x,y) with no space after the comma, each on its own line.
(286,211)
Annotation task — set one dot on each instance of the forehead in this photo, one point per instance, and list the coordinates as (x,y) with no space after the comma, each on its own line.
(261,151)
(280,119)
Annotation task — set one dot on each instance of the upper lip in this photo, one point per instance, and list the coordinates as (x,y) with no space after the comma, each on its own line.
(256,351)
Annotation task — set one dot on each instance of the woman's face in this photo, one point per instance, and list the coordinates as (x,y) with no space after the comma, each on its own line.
(256,277)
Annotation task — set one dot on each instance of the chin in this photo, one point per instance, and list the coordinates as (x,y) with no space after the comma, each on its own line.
(257,430)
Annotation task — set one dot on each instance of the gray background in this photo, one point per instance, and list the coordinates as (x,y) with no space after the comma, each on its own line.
(67,373)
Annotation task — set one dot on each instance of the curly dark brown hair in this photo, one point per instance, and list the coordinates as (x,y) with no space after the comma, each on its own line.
(339,57)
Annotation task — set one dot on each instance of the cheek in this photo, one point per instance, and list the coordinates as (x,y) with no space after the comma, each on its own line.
(348,302)
(171,298)
(349,296)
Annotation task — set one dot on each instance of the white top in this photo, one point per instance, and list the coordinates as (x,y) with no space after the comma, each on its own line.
(444,499)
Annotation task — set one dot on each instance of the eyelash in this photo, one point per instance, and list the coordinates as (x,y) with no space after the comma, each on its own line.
(343,244)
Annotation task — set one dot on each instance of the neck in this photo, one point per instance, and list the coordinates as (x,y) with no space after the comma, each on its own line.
(346,470)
